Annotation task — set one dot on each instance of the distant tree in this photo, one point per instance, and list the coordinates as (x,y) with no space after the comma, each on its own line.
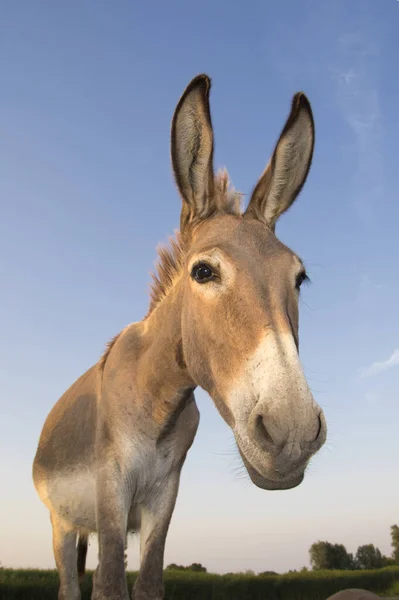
(319,555)
(197,568)
(368,557)
(343,558)
(388,561)
(175,567)
(268,573)
(395,543)
(304,570)
(324,555)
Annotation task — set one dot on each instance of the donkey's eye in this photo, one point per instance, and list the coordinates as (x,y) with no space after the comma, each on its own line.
(301,277)
(202,272)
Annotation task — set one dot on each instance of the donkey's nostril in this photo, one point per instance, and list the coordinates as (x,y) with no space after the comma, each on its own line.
(262,431)
(260,426)
(319,428)
(267,431)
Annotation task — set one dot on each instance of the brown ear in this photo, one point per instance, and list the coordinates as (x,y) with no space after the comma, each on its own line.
(192,151)
(286,173)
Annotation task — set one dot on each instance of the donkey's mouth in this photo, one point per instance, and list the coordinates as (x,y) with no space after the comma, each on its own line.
(266,483)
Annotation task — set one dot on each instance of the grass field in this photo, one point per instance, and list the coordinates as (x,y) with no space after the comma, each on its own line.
(24,584)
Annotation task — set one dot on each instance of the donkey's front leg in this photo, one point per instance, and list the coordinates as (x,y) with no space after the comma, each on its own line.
(156,514)
(113,501)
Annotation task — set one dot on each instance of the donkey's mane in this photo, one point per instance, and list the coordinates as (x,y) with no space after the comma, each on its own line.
(171,257)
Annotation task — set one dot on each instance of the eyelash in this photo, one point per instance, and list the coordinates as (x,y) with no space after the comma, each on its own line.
(301,278)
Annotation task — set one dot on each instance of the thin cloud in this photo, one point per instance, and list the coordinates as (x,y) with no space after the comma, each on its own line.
(358,99)
(384,365)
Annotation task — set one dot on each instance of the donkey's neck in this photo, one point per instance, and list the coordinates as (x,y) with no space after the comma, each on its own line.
(162,378)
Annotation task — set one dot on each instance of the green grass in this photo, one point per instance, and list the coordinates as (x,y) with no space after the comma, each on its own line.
(393,590)
(24,584)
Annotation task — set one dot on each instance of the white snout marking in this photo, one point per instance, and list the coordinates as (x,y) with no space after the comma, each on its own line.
(275,369)
(272,380)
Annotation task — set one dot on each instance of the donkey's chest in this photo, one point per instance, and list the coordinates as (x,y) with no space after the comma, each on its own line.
(151,469)
(149,480)
(150,462)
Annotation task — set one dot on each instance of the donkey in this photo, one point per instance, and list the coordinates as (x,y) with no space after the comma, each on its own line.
(224,316)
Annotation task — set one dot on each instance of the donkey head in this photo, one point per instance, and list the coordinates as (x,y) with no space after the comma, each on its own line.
(239,293)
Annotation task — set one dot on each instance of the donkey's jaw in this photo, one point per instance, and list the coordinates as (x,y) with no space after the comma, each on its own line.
(266,483)
(267,472)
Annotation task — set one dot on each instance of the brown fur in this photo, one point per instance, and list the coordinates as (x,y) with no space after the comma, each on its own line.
(107,351)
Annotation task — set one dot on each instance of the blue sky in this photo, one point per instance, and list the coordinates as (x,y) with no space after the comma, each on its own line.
(86,192)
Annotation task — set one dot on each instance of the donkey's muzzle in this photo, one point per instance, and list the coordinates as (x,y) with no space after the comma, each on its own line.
(274,436)
(281,443)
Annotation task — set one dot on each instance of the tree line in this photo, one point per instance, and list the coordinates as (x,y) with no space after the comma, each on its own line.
(325,555)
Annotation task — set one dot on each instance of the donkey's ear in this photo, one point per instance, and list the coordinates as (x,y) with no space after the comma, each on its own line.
(192,151)
(284,176)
